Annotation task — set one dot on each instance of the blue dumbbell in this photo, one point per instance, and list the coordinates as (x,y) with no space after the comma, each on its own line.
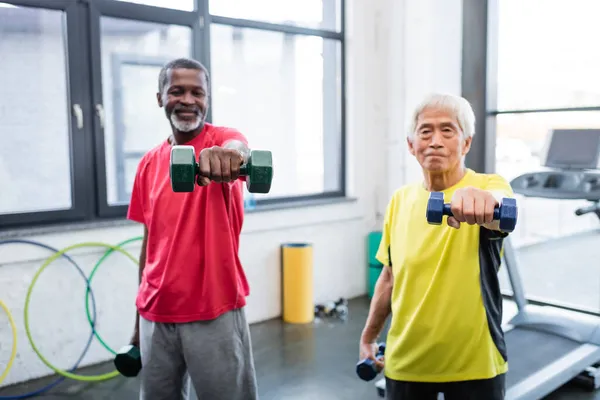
(506,213)
(366,369)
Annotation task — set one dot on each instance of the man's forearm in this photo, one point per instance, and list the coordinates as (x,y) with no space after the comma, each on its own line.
(142,265)
(381,306)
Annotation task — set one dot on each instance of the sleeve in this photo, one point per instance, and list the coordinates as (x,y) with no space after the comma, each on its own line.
(384,251)
(229,134)
(135,211)
(500,188)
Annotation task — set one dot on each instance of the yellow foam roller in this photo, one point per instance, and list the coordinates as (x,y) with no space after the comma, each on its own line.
(297,279)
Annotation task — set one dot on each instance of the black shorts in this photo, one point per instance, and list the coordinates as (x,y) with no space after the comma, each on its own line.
(484,389)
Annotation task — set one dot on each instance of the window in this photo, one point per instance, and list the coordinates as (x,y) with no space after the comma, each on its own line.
(133,53)
(542,79)
(291,104)
(544,54)
(35,162)
(317,14)
(80,96)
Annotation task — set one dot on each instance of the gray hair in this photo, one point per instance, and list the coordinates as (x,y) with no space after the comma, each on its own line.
(458,106)
(187,63)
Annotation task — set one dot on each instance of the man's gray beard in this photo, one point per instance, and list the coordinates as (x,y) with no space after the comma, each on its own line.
(185,126)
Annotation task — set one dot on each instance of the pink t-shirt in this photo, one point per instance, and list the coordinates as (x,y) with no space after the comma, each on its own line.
(192,270)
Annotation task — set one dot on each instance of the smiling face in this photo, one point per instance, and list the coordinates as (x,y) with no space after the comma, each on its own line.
(438,142)
(185,99)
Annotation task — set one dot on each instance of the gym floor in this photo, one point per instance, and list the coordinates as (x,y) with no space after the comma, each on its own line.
(293,362)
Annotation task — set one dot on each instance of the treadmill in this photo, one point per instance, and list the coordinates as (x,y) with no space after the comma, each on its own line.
(548,346)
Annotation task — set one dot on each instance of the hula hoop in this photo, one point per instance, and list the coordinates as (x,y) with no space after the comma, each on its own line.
(49,260)
(90,338)
(13,354)
(87,307)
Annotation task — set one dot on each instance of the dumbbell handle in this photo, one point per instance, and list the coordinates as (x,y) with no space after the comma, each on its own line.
(448,211)
(243,170)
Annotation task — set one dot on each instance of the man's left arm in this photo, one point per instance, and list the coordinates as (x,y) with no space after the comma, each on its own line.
(498,187)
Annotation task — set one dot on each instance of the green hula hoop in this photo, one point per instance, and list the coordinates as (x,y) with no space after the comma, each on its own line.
(87,294)
(76,377)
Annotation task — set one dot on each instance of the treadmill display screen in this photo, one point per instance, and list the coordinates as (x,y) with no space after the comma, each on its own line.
(573,149)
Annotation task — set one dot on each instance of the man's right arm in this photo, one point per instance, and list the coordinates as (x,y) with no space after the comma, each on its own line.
(381,302)
(381,306)
(141,272)
(135,212)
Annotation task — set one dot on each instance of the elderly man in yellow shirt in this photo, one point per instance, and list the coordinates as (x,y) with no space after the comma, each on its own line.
(440,283)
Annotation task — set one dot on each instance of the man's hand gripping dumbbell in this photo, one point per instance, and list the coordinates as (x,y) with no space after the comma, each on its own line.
(474,206)
(220,164)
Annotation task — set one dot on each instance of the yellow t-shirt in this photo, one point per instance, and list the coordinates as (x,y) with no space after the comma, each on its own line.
(446,299)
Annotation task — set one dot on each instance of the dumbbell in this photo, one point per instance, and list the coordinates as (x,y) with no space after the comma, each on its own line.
(506,212)
(366,369)
(128,361)
(184,170)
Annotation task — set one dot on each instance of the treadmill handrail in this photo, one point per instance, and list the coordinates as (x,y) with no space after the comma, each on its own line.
(511,264)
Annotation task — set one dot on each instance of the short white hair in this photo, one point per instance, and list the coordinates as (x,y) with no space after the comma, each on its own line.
(458,106)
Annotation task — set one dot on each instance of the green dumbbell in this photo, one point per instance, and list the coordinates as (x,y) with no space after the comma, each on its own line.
(128,361)
(184,170)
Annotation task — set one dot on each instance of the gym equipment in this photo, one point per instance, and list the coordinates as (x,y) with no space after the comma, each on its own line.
(506,212)
(298,306)
(47,262)
(374,267)
(572,149)
(341,309)
(13,353)
(333,309)
(595,208)
(548,346)
(366,369)
(129,361)
(93,322)
(184,170)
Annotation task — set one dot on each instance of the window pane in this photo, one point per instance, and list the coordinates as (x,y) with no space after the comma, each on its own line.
(558,250)
(284,93)
(133,53)
(317,14)
(35,161)
(183,5)
(545,54)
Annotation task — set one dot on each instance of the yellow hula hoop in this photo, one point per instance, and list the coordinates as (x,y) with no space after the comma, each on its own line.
(13,354)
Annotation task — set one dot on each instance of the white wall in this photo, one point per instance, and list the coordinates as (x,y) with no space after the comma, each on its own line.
(397,50)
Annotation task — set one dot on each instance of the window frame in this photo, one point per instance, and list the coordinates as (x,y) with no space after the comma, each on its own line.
(87,146)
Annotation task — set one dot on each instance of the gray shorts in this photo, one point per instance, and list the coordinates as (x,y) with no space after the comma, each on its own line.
(214,356)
